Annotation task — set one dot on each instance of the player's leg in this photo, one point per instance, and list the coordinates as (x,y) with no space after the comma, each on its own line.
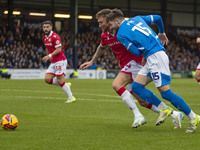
(49,78)
(139,88)
(50,74)
(162,79)
(132,69)
(197,74)
(141,101)
(119,86)
(60,73)
(180,104)
(176,115)
(64,86)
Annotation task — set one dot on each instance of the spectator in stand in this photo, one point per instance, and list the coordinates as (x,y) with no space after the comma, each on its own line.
(23,41)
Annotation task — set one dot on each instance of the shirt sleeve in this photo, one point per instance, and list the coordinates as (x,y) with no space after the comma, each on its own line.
(155,19)
(102,44)
(57,41)
(129,45)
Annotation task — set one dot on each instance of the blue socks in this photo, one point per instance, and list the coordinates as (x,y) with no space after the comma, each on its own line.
(177,101)
(145,94)
(149,96)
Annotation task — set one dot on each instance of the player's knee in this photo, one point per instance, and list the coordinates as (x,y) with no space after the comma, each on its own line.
(136,88)
(115,86)
(197,76)
(167,94)
(47,80)
(60,81)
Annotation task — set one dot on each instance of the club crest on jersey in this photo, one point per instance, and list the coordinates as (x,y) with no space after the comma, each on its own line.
(49,39)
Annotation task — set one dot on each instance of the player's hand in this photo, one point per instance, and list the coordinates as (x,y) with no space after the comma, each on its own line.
(45,58)
(198,40)
(85,65)
(163,38)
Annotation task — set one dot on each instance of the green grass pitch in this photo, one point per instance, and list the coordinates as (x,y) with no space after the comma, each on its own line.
(99,120)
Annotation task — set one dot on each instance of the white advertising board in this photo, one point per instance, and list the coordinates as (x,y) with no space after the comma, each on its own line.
(27,73)
(40,74)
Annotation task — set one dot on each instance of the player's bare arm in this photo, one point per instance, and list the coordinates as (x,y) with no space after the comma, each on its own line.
(143,61)
(163,38)
(97,54)
(47,57)
(198,40)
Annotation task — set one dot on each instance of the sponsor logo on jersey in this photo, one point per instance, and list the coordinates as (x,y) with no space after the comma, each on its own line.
(114,43)
(48,44)
(57,42)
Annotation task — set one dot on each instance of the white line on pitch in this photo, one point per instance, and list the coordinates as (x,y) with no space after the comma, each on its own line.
(83,99)
(103,95)
(43,97)
(100,100)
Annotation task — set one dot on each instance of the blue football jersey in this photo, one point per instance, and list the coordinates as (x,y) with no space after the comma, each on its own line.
(138,37)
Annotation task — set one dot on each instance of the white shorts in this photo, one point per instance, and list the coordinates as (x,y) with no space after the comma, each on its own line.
(131,68)
(58,69)
(157,68)
(198,67)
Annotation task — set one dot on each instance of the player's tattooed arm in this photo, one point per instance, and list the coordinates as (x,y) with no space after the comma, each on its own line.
(100,50)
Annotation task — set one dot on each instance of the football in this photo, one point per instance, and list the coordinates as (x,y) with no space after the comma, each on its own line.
(9,122)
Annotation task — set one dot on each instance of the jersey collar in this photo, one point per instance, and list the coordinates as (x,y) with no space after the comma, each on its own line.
(49,34)
(122,22)
(113,34)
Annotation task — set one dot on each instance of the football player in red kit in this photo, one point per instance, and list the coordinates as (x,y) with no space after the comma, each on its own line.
(57,70)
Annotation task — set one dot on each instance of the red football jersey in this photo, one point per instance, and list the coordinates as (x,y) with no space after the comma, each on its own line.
(123,55)
(52,42)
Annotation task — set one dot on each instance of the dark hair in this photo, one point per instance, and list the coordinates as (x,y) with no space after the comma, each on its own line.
(103,13)
(47,22)
(115,13)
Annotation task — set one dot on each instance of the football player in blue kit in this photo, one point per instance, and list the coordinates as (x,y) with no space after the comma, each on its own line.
(139,38)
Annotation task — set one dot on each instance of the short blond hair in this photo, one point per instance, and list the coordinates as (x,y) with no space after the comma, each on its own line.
(103,13)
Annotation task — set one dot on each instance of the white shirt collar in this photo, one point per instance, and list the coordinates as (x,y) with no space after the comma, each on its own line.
(113,34)
(122,22)
(49,34)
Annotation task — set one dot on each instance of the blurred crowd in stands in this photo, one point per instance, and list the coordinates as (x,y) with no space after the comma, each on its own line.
(23,47)
(183,52)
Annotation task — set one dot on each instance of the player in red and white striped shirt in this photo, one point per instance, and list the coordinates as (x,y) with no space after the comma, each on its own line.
(57,70)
